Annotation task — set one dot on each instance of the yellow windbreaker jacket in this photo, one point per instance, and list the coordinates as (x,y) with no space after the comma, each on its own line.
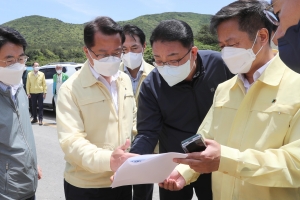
(259,133)
(89,128)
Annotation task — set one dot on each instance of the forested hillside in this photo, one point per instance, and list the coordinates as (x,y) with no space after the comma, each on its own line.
(51,40)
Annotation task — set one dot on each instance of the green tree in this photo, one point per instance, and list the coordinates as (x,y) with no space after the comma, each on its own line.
(148,56)
(206,37)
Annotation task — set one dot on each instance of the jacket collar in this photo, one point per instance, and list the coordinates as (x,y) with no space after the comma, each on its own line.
(86,77)
(274,72)
(147,68)
(271,76)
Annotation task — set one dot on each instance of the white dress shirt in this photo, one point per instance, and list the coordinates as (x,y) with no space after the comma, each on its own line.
(112,86)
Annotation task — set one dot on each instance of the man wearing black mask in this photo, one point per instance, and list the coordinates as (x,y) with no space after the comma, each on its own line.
(288,33)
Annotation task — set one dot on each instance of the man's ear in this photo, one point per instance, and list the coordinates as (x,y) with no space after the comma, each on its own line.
(263,36)
(194,51)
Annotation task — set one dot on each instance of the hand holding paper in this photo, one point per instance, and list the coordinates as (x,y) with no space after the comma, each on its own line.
(119,156)
(153,168)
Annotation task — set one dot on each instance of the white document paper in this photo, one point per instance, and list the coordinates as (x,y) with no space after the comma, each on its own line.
(152,168)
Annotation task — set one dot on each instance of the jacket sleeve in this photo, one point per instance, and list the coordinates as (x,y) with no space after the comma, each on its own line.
(44,85)
(149,121)
(134,131)
(270,168)
(28,84)
(72,136)
(66,76)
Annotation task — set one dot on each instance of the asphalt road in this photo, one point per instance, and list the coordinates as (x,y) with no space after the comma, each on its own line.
(51,160)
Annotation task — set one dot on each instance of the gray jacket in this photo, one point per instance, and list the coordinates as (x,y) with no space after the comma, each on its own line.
(18,162)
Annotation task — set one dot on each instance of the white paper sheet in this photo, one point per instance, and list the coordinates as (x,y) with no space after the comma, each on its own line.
(152,168)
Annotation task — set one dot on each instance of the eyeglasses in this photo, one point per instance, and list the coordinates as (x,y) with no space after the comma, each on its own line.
(272,17)
(101,56)
(171,63)
(10,61)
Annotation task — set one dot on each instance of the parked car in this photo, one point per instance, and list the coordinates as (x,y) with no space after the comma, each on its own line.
(49,70)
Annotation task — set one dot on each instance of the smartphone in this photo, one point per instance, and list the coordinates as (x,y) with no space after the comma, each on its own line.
(193,144)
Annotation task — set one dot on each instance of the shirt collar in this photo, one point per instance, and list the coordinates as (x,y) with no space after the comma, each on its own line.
(256,74)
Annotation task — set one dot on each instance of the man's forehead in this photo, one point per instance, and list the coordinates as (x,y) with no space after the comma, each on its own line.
(11,50)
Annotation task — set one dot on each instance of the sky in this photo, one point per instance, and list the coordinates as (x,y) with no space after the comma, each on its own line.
(81,11)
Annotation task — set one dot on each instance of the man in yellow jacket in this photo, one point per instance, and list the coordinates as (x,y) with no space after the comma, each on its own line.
(134,46)
(96,113)
(252,130)
(36,89)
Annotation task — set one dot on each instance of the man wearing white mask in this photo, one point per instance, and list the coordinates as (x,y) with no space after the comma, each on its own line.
(252,130)
(18,161)
(36,89)
(134,45)
(96,113)
(175,97)
(58,79)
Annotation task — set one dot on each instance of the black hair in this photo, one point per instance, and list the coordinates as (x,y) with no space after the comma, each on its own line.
(173,30)
(105,25)
(11,35)
(250,15)
(132,30)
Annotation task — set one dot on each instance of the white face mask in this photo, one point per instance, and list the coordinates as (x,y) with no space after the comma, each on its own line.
(36,69)
(107,66)
(239,60)
(173,74)
(12,74)
(132,60)
(59,71)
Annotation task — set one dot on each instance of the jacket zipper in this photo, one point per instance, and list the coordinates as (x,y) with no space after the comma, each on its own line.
(6,177)
(22,130)
(194,92)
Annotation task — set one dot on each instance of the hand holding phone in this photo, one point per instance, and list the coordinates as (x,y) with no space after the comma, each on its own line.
(193,144)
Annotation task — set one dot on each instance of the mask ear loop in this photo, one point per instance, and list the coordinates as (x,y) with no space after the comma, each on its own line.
(254,44)
(274,35)
(194,65)
(91,58)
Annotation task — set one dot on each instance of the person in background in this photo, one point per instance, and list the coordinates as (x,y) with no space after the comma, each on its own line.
(252,130)
(175,97)
(288,33)
(95,114)
(36,89)
(134,65)
(134,45)
(24,80)
(58,79)
(18,160)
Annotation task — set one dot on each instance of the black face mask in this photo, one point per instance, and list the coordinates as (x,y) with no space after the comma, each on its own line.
(289,47)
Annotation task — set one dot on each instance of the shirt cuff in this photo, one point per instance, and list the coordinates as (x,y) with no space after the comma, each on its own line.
(229,160)
(187,173)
